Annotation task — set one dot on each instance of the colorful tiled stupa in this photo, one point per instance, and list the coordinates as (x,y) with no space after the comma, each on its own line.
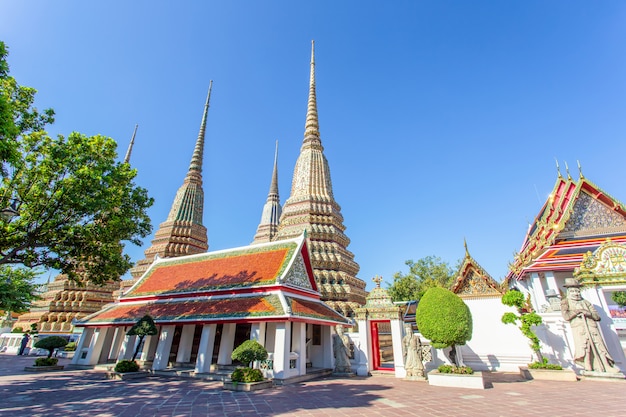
(312,207)
(182,233)
(268,227)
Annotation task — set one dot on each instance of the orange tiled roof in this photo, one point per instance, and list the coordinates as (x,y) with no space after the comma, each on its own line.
(306,308)
(248,267)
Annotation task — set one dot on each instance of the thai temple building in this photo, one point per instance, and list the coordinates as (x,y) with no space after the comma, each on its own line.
(580,232)
(311,207)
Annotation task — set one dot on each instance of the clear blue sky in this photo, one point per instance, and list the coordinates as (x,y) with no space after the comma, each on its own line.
(441,120)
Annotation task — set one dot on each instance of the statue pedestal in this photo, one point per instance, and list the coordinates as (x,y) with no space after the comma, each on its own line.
(344,374)
(415,378)
(603,375)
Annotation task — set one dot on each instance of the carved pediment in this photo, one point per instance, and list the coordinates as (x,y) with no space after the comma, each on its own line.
(589,214)
(298,275)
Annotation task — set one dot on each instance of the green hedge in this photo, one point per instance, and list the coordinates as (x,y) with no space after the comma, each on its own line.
(246,375)
(126,366)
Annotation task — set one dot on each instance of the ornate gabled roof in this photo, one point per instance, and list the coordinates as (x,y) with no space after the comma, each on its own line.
(577,216)
(259,282)
(311,206)
(473,281)
(253,266)
(182,233)
(268,227)
(606,265)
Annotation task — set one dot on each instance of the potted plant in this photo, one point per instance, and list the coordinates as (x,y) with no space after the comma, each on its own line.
(443,318)
(248,378)
(129,369)
(48,363)
(527,318)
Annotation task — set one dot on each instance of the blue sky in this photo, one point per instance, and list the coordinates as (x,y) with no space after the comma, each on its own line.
(441,120)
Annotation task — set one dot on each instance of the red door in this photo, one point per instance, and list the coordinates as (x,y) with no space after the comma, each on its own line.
(382,345)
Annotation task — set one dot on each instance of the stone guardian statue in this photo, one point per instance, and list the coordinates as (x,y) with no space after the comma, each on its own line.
(341,351)
(590,349)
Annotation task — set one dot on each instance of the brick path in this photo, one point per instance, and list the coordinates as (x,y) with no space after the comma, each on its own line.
(82,393)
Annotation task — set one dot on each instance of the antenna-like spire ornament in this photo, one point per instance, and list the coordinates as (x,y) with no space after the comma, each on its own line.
(569,177)
(580,170)
(130,146)
(558,169)
(196,159)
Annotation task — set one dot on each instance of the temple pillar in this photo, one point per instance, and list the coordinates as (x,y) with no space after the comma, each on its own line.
(106,345)
(538,297)
(257,332)
(149,348)
(398,354)
(205,349)
(227,344)
(281,350)
(83,346)
(364,349)
(95,347)
(186,342)
(163,348)
(118,338)
(128,348)
(327,347)
(299,346)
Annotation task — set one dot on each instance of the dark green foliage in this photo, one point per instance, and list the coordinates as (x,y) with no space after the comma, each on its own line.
(452,369)
(246,375)
(545,365)
(427,272)
(249,351)
(17,288)
(525,315)
(443,318)
(50,343)
(126,366)
(46,361)
(620,298)
(144,327)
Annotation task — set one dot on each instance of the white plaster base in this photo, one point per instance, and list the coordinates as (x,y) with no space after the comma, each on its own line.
(474,380)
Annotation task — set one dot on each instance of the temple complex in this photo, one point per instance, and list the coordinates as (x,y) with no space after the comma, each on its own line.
(311,207)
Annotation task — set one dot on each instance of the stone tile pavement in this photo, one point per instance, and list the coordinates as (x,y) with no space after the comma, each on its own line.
(88,393)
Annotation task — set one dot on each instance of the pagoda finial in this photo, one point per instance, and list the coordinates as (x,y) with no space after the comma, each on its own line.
(377,279)
(569,177)
(558,169)
(466,250)
(196,159)
(580,171)
(311,126)
(274,184)
(130,146)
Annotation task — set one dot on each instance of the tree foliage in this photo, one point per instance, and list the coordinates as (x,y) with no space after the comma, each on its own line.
(620,298)
(144,327)
(249,351)
(17,288)
(443,318)
(76,203)
(50,343)
(426,273)
(526,317)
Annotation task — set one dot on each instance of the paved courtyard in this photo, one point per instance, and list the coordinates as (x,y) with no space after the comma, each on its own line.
(88,393)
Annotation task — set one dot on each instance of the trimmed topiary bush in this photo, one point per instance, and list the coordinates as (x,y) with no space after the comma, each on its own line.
(444,319)
(46,361)
(249,351)
(126,366)
(144,327)
(50,343)
(246,375)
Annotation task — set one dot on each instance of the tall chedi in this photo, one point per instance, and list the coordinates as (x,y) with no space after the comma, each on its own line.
(182,233)
(268,227)
(312,207)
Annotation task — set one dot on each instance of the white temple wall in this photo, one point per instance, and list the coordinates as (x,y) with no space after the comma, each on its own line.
(494,345)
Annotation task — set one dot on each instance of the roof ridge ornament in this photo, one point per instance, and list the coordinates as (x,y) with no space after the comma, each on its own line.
(130,146)
(558,169)
(569,177)
(580,171)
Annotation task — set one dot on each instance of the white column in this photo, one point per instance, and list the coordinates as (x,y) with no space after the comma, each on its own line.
(83,343)
(551,281)
(227,344)
(148,341)
(257,332)
(163,348)
(128,348)
(299,346)
(186,341)
(95,347)
(120,332)
(364,350)
(205,350)
(154,342)
(539,298)
(396,340)
(281,350)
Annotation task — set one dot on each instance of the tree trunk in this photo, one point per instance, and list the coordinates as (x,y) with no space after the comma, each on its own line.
(138,346)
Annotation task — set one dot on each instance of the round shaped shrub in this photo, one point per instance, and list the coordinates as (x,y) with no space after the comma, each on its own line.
(46,361)
(50,343)
(126,366)
(249,351)
(443,318)
(246,375)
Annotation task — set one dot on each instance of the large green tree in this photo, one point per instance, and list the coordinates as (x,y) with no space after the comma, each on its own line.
(426,273)
(17,288)
(76,203)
